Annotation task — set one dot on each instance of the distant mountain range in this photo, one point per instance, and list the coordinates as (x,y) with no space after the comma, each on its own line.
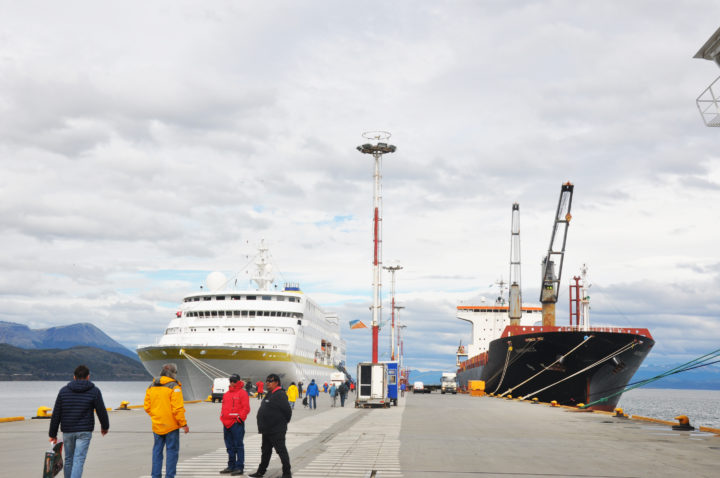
(58,364)
(61,337)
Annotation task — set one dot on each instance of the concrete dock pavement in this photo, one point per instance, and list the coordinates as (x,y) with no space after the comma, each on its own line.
(425,435)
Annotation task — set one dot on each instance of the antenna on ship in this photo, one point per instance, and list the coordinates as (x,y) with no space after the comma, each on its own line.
(376,150)
(263,276)
(708,102)
(515,295)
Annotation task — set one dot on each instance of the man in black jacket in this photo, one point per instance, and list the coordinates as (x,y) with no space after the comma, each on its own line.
(73,412)
(272,419)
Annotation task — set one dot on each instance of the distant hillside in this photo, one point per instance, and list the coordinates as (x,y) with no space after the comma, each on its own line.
(62,337)
(58,364)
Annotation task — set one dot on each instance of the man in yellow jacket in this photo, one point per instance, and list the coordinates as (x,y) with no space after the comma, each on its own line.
(292,394)
(164,403)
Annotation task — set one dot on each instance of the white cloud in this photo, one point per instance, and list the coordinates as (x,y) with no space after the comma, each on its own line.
(172,136)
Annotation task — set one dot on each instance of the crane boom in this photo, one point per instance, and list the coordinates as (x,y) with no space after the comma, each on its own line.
(556,253)
(515,295)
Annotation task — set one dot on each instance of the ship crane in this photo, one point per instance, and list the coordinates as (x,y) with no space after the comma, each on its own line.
(556,253)
(515,295)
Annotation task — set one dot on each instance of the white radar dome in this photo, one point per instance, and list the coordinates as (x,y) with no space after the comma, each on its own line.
(215,281)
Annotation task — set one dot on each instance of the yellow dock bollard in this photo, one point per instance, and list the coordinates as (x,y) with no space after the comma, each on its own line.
(619,413)
(43,412)
(683,423)
(123,405)
(535,401)
(209,398)
(553,403)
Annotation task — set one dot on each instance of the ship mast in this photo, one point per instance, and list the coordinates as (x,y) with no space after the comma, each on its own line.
(377,150)
(556,252)
(263,274)
(515,296)
(393,270)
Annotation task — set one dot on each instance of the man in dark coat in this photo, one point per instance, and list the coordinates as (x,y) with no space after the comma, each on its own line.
(272,419)
(74,413)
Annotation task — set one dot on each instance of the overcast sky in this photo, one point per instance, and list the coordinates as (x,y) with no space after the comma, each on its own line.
(146,144)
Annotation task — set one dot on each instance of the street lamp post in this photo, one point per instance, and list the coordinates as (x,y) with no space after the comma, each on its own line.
(393,270)
(376,150)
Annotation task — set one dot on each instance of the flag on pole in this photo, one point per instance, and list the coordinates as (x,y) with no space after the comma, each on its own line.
(357,324)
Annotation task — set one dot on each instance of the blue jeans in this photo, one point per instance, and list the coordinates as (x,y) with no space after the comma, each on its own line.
(234,445)
(312,401)
(76,446)
(172,442)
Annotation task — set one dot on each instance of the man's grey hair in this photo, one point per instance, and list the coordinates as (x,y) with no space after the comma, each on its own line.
(169,370)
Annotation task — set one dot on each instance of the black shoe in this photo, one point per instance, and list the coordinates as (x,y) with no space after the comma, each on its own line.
(288,475)
(226,471)
(236,473)
(257,474)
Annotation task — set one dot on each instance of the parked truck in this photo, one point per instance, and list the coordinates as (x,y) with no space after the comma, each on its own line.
(448,383)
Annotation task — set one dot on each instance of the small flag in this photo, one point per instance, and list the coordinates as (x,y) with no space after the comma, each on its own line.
(357,324)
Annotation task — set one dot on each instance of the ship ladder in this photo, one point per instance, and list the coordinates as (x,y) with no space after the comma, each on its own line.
(208,370)
(602,360)
(541,371)
(508,362)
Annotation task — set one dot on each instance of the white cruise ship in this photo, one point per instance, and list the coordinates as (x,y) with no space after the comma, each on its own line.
(220,331)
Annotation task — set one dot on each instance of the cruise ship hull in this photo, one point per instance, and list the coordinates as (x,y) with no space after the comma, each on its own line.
(251,365)
(584,375)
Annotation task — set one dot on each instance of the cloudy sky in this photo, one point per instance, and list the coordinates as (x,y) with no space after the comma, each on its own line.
(146,144)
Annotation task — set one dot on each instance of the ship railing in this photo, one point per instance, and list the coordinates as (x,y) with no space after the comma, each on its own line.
(529,329)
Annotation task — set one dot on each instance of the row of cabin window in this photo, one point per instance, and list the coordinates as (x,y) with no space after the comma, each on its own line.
(178,330)
(502,311)
(280,298)
(243,313)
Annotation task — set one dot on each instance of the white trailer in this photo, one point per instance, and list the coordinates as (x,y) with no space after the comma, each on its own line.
(448,383)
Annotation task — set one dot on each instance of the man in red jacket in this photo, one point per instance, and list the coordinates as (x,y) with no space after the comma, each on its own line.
(235,409)
(259,386)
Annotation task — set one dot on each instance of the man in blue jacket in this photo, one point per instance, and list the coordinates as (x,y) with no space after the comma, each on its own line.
(73,413)
(312,393)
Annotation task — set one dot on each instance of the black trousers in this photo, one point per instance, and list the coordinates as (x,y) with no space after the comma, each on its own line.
(269,442)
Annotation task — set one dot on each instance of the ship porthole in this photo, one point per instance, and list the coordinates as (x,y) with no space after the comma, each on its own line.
(164,353)
(203,352)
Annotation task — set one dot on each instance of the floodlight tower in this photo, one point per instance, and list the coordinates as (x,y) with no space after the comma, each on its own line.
(393,270)
(708,102)
(376,150)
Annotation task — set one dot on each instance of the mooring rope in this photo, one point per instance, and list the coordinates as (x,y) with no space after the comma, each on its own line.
(205,368)
(701,361)
(602,360)
(507,360)
(541,371)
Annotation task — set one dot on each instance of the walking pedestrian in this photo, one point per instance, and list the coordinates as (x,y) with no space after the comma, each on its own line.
(74,412)
(259,386)
(272,419)
(402,389)
(333,394)
(292,393)
(235,409)
(325,387)
(352,387)
(164,403)
(312,394)
(300,389)
(343,391)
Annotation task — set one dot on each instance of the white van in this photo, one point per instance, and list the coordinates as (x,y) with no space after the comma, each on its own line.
(418,387)
(220,386)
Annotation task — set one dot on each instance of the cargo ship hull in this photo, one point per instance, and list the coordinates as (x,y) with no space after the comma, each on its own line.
(568,366)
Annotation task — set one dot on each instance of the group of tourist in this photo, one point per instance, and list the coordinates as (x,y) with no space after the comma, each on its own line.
(80,399)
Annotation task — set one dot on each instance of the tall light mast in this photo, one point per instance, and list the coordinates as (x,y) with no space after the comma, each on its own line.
(393,270)
(515,302)
(377,150)
(556,252)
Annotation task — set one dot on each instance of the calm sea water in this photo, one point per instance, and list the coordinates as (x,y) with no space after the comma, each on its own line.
(22,399)
(701,406)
